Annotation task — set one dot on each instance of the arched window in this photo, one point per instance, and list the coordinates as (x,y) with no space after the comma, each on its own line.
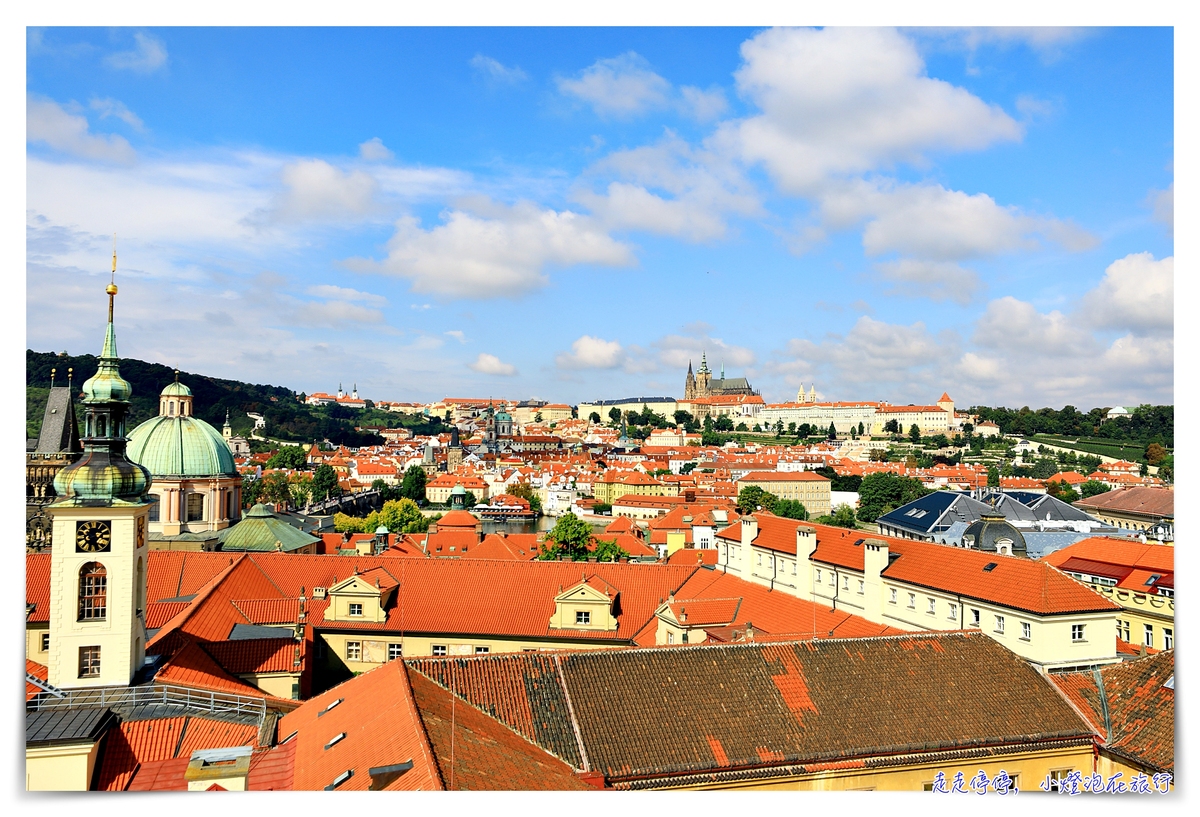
(100,426)
(140,586)
(171,408)
(93,592)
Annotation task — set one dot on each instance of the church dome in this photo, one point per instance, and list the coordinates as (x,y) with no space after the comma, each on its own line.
(993,534)
(176,389)
(181,447)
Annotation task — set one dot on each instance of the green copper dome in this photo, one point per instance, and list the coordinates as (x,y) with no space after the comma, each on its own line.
(181,447)
(176,389)
(107,384)
(260,530)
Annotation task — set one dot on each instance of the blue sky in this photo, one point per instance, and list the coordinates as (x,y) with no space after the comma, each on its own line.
(573,214)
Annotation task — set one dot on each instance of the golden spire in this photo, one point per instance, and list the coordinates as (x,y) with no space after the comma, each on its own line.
(111,289)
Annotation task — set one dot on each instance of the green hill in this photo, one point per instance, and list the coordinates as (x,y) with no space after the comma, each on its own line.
(287,417)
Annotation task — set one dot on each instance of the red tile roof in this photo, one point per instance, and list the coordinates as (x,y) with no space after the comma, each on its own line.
(457,519)
(693,556)
(159,613)
(37,671)
(783,476)
(1122,553)
(191,666)
(704,612)
(378,717)
(135,744)
(477,752)
(519,547)
(622,524)
(1148,501)
(269,611)
(37,586)
(257,655)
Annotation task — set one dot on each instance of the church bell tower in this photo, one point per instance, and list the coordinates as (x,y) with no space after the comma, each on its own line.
(99,552)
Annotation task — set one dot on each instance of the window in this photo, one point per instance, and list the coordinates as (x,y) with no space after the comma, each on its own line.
(893,599)
(845,582)
(1057,777)
(1123,630)
(46,642)
(793,568)
(861,587)
(818,577)
(1026,630)
(1168,638)
(355,609)
(195,507)
(760,560)
(439,649)
(394,651)
(932,606)
(353,650)
(338,738)
(93,590)
(974,618)
(1077,632)
(912,601)
(1148,635)
(154,511)
(89,662)
(953,616)
(670,637)
(1000,624)
(583,617)
(482,650)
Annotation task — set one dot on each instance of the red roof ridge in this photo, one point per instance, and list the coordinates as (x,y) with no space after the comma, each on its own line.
(206,591)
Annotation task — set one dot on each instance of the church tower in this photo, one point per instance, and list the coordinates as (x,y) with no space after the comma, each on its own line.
(99,551)
(703,377)
(454,454)
(689,384)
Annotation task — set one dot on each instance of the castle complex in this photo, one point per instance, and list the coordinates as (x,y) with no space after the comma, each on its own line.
(701,384)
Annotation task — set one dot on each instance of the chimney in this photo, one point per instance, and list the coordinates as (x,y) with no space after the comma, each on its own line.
(875,561)
(683,616)
(224,768)
(749,631)
(689,494)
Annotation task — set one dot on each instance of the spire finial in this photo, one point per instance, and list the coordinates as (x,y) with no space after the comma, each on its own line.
(111,289)
(52,373)
(70,375)
(176,375)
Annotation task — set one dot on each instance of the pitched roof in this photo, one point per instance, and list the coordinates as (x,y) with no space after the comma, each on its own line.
(37,671)
(376,717)
(477,752)
(1149,501)
(192,666)
(783,476)
(1130,705)
(514,546)
(660,713)
(37,586)
(138,743)
(257,655)
(1123,553)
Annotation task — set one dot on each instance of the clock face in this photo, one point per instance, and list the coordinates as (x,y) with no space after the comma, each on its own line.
(141,531)
(93,537)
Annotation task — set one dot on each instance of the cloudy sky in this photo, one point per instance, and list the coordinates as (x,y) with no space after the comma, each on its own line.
(574,214)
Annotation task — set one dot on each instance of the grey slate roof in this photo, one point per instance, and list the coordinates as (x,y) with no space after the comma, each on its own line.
(46,727)
(247,632)
(60,431)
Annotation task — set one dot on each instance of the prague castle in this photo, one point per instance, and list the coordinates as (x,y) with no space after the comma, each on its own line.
(701,384)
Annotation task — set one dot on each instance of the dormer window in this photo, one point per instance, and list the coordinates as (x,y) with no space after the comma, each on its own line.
(355,609)
(583,617)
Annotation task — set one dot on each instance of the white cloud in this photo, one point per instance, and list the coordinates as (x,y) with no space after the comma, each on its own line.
(331,292)
(676,351)
(935,280)
(315,189)
(504,252)
(457,334)
(490,364)
(875,352)
(619,86)
(703,106)
(149,55)
(1163,204)
(839,101)
(591,353)
(373,150)
(1012,325)
(496,71)
(47,122)
(1137,293)
(111,107)
(337,314)
(1046,40)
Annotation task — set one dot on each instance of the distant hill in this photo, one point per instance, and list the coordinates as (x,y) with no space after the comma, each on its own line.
(287,418)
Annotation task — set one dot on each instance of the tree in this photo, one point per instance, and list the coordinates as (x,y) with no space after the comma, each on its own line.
(752,498)
(594,417)
(569,538)
(877,455)
(325,483)
(413,486)
(251,491)
(892,426)
(939,441)
(884,491)
(1155,454)
(723,423)
(757,428)
(291,457)
(914,433)
(791,508)
(275,488)
(1093,487)
(687,468)
(300,486)
(993,477)
(843,516)
(614,414)
(832,433)
(1044,468)
(525,491)
(1166,470)
(741,427)
(778,427)
(470,500)
(1059,489)
(401,516)
(791,429)
(683,418)
(861,429)
(607,550)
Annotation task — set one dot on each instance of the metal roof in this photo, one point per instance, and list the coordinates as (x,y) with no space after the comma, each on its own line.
(67,725)
(180,446)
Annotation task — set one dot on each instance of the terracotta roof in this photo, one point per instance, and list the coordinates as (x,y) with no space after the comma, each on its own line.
(514,546)
(661,713)
(783,476)
(37,671)
(1149,501)
(622,524)
(1140,709)
(37,586)
(693,556)
(269,611)
(457,519)
(257,655)
(1118,552)
(477,752)
(192,666)
(701,612)
(159,613)
(212,614)
(377,718)
(135,743)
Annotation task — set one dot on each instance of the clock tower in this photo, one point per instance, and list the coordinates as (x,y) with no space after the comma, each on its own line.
(98,552)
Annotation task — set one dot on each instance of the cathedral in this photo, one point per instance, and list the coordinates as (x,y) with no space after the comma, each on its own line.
(701,384)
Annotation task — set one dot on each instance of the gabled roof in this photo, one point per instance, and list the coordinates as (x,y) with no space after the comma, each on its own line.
(60,430)
(1131,706)
(37,670)
(1133,563)
(1149,501)
(799,703)
(37,586)
(192,666)
(143,744)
